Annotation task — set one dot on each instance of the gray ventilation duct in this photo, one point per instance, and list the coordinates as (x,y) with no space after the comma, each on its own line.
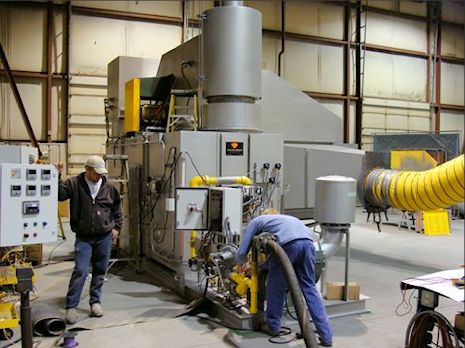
(231,68)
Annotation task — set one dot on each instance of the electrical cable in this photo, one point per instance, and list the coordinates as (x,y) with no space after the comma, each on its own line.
(195,168)
(12,342)
(407,305)
(288,310)
(283,331)
(49,259)
(423,323)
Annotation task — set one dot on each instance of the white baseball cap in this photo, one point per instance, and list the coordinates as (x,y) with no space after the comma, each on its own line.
(97,163)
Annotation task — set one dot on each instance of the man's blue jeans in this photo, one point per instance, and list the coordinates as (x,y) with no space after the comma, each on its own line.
(89,251)
(301,253)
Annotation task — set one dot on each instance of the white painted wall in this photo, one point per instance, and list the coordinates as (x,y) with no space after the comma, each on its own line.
(97,41)
(391,116)
(27,50)
(11,121)
(312,67)
(303,17)
(162,8)
(453,121)
(94,43)
(453,12)
(452,40)
(395,32)
(395,77)
(452,84)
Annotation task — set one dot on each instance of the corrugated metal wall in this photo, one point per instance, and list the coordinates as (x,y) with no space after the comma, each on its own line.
(396,85)
(94,43)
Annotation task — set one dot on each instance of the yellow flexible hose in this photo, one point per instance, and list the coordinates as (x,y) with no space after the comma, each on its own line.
(437,188)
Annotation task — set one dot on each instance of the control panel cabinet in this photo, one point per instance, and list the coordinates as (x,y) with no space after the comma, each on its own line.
(28,204)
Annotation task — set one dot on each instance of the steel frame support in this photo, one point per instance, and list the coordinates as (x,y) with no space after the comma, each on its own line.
(48,93)
(18,99)
(346,78)
(358,84)
(438,61)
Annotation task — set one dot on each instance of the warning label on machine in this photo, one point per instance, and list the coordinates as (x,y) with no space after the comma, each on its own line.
(234,148)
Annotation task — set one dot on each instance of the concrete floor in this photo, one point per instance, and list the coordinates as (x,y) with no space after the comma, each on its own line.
(140,314)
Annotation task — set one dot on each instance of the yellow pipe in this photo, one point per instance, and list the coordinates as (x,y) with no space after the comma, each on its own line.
(204,180)
(192,243)
(242,283)
(432,189)
(243,180)
(253,286)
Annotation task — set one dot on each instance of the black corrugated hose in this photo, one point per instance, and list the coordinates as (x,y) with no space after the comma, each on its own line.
(419,330)
(299,302)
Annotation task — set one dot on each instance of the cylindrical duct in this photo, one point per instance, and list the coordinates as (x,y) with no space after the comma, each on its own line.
(231,3)
(331,239)
(232,117)
(440,187)
(335,199)
(231,65)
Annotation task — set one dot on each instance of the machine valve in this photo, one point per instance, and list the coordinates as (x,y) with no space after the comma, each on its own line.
(277,166)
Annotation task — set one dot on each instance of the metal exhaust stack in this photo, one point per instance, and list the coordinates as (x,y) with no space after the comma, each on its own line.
(231,68)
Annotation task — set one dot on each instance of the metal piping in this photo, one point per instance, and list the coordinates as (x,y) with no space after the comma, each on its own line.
(283,35)
(331,240)
(437,188)
(48,118)
(205,180)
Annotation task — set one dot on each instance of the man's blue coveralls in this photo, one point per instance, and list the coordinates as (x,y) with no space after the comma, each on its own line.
(294,237)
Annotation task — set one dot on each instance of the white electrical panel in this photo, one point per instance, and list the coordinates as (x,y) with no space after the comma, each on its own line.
(28,204)
(225,210)
(191,208)
(18,154)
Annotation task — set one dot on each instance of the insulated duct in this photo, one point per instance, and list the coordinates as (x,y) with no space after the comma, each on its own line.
(47,321)
(437,188)
(231,68)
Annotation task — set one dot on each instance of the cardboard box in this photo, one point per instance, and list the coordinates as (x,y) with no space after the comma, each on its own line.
(335,291)
(460,321)
(33,253)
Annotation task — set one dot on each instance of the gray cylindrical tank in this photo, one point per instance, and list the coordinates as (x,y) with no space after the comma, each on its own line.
(232,47)
(335,199)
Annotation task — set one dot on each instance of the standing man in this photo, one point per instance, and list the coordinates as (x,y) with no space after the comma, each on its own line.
(294,237)
(96,218)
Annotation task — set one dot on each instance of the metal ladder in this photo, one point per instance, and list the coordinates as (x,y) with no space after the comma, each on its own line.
(123,178)
(123,181)
(363,29)
(187,120)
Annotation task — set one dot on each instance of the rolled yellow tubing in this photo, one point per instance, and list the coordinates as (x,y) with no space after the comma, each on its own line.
(437,188)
